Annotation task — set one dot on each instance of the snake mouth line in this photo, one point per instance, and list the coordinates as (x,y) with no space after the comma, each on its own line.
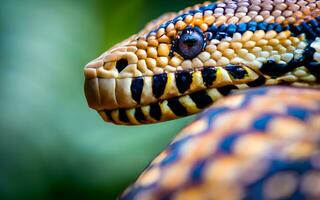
(112,93)
(168,96)
(166,109)
(173,108)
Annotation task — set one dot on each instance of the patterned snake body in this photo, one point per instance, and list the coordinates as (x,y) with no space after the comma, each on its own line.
(259,144)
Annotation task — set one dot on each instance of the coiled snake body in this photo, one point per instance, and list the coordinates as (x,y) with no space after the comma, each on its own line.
(258,144)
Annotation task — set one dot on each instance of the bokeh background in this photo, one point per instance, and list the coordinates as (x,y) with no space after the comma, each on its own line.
(52,146)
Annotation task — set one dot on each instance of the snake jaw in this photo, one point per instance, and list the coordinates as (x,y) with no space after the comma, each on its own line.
(190,91)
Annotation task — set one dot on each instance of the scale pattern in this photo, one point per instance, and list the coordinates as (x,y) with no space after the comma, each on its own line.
(261,144)
(182,62)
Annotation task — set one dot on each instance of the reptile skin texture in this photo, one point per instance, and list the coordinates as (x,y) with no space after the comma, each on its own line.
(262,144)
(252,68)
(182,62)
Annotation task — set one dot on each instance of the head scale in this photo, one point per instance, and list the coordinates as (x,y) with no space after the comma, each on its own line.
(182,62)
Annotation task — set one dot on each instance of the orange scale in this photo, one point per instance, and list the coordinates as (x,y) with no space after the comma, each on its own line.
(196,127)
(149,177)
(262,105)
(225,170)
(299,151)
(315,123)
(288,128)
(222,123)
(160,157)
(255,145)
(208,144)
(296,101)
(190,193)
(174,176)
(231,102)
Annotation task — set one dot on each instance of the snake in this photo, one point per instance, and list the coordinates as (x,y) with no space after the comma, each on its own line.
(251,68)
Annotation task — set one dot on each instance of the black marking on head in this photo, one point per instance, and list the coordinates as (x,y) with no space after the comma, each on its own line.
(308,61)
(121,64)
(314,23)
(237,72)
(190,43)
(213,29)
(225,90)
(155,111)
(295,30)
(294,63)
(183,81)
(311,29)
(308,30)
(220,35)
(201,99)
(108,113)
(138,114)
(209,75)
(225,30)
(308,54)
(136,88)
(258,82)
(159,82)
(306,57)
(274,69)
(314,68)
(315,26)
(176,107)
(123,115)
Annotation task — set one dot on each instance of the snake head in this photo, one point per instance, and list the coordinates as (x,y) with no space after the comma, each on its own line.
(182,62)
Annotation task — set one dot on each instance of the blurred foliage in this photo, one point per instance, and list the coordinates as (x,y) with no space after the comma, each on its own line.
(52,146)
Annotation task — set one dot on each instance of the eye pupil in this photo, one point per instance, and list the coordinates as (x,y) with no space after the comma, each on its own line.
(190,43)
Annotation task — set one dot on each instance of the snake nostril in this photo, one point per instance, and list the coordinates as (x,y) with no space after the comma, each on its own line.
(121,64)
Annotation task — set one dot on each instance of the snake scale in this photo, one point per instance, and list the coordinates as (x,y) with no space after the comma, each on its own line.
(253,68)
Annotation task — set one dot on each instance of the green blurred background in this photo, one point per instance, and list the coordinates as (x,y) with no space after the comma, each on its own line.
(52,146)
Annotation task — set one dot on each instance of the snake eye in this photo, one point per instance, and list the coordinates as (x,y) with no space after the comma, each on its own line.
(190,43)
